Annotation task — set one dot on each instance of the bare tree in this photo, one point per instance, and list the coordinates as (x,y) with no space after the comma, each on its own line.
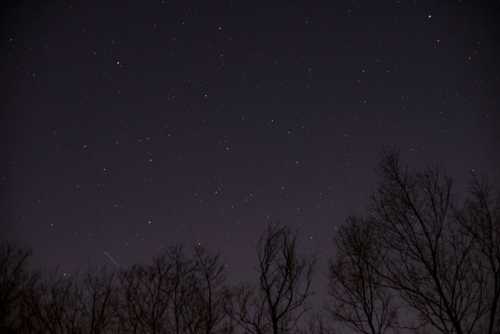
(209,292)
(99,301)
(359,299)
(181,280)
(429,261)
(247,310)
(480,219)
(15,279)
(176,294)
(53,306)
(146,297)
(279,300)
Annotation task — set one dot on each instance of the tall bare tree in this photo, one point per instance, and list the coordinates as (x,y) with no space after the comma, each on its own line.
(177,294)
(209,292)
(359,299)
(181,320)
(54,306)
(434,257)
(16,278)
(99,301)
(146,297)
(480,219)
(280,298)
(248,309)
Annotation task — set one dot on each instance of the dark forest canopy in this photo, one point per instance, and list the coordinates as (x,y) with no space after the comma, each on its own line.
(417,261)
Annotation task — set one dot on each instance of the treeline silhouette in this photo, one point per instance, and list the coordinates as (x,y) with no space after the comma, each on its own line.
(419,260)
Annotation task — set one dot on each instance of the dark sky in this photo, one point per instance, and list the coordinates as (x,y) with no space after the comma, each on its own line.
(129,126)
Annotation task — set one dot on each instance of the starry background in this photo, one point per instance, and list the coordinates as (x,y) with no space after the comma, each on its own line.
(135,125)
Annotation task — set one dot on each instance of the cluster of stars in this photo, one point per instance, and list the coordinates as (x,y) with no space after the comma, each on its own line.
(213,122)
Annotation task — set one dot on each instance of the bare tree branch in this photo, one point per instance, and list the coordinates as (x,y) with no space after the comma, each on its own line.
(284,286)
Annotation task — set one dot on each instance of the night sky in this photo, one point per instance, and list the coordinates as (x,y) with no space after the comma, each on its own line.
(131,126)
